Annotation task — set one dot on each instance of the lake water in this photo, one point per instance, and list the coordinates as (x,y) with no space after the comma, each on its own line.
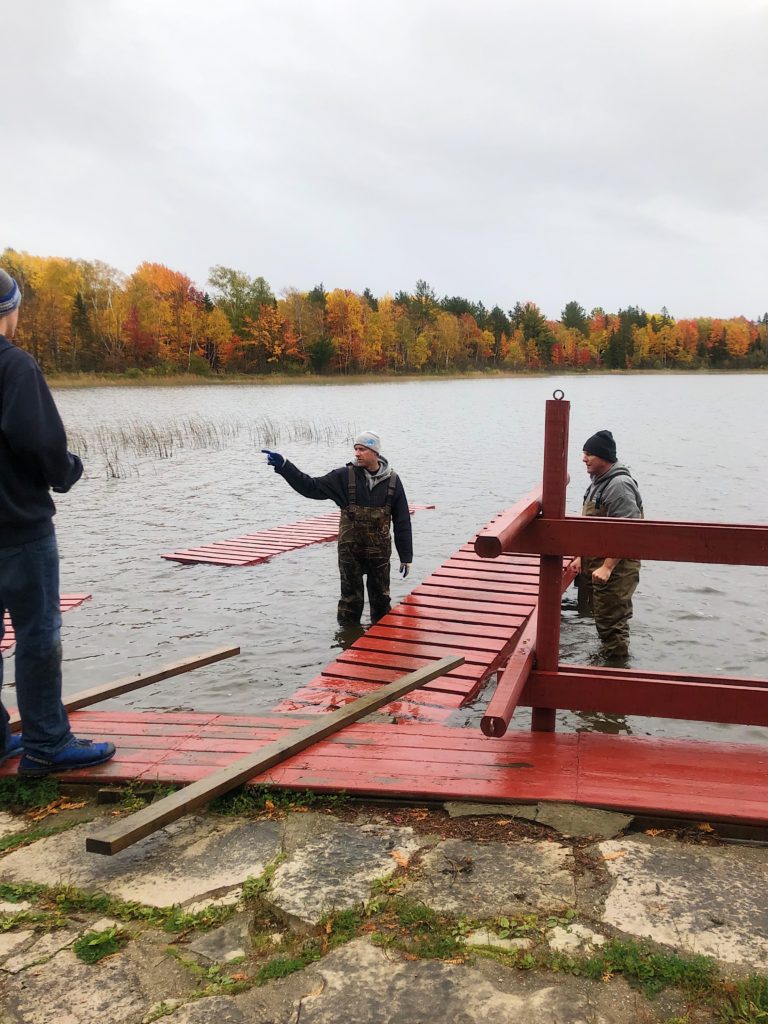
(695,443)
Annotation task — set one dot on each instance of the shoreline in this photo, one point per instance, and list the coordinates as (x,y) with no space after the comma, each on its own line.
(94,380)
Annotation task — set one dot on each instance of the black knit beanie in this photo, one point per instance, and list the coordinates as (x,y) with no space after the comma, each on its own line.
(602,445)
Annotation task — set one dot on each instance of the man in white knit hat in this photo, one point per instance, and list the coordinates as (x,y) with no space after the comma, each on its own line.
(371,497)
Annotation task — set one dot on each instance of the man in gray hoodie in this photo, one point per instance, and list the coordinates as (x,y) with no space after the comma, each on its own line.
(372,499)
(606,585)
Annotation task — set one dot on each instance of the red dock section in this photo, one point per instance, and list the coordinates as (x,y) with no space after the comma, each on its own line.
(254,548)
(680,779)
(9,636)
(467,606)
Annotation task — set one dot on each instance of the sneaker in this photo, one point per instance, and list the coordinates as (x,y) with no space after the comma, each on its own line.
(15,747)
(76,754)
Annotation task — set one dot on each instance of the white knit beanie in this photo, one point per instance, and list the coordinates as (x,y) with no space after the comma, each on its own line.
(369,440)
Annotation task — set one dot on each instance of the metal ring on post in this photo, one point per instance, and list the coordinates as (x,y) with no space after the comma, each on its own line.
(558,395)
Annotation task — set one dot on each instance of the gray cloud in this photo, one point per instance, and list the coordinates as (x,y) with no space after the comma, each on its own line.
(539,149)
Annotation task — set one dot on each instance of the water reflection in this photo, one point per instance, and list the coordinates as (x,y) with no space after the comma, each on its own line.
(346,635)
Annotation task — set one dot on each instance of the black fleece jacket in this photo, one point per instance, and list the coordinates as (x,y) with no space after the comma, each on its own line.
(335,486)
(33,449)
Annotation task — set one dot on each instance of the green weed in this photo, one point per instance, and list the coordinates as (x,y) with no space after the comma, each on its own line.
(258,799)
(254,888)
(94,946)
(19,794)
(646,968)
(746,1002)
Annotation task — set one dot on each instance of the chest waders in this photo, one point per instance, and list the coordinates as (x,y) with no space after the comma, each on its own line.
(611,602)
(365,549)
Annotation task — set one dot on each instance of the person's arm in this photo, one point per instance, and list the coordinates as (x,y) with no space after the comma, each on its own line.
(401,525)
(33,430)
(331,487)
(620,502)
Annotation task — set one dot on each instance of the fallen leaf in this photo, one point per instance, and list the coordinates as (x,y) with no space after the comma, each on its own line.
(654,831)
(239,977)
(704,826)
(504,821)
(402,859)
(269,805)
(615,855)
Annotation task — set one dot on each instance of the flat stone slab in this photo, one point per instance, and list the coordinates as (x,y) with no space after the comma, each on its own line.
(568,819)
(461,809)
(332,864)
(489,879)
(195,858)
(224,944)
(707,900)
(361,984)
(46,947)
(215,1010)
(573,820)
(10,824)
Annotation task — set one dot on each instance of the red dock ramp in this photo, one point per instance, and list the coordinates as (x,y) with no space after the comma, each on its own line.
(254,548)
(67,601)
(467,606)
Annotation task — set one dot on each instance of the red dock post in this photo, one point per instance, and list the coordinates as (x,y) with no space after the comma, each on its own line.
(554,485)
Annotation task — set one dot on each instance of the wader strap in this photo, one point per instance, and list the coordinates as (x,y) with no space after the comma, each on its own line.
(597,497)
(351,486)
(391,489)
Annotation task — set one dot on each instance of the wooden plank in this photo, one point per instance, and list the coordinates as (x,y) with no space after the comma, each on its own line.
(509,688)
(710,543)
(439,625)
(499,534)
(84,698)
(149,819)
(736,703)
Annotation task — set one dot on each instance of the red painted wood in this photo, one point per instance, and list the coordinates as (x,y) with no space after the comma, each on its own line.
(498,535)
(681,779)
(510,686)
(491,599)
(254,548)
(551,568)
(722,544)
(386,633)
(66,603)
(446,627)
(742,704)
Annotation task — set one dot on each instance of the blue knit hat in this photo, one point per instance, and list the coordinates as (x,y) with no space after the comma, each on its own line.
(10,296)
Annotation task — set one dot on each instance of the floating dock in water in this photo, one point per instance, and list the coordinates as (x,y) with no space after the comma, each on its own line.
(255,548)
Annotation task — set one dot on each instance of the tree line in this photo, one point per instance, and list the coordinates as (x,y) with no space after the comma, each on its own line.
(84,316)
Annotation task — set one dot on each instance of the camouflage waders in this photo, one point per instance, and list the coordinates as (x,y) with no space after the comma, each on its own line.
(610,603)
(365,549)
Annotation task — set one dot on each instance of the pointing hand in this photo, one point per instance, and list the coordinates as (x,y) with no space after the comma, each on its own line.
(274,459)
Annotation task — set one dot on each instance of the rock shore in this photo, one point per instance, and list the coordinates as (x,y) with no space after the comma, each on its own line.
(365,914)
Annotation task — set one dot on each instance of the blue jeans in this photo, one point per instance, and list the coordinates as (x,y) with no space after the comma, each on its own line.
(29,592)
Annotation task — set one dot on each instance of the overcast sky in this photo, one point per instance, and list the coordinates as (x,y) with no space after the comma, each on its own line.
(546,150)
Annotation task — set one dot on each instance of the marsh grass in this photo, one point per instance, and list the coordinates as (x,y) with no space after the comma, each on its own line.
(116,443)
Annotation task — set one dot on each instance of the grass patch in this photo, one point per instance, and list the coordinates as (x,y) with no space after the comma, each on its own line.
(267,799)
(94,946)
(745,1002)
(254,888)
(19,794)
(646,968)
(419,931)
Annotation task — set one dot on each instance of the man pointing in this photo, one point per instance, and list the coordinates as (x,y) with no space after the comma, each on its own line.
(371,498)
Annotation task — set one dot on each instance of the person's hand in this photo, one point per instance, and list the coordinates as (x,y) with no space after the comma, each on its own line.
(576,565)
(274,459)
(601,574)
(405,568)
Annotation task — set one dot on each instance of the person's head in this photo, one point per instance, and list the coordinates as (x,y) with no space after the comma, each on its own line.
(367,450)
(10,300)
(599,453)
